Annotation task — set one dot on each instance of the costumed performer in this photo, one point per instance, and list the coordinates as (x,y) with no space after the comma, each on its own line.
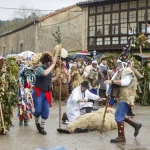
(93,74)
(80,98)
(127,86)
(42,97)
(92,121)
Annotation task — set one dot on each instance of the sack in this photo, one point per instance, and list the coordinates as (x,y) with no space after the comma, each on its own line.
(92,74)
(94,83)
(114,91)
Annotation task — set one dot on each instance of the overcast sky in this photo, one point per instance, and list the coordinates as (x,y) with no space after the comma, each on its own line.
(36,4)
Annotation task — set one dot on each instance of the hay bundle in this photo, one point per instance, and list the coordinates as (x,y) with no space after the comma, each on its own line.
(93,121)
(36,60)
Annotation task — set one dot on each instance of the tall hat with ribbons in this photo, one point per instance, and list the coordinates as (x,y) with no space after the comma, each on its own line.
(125,54)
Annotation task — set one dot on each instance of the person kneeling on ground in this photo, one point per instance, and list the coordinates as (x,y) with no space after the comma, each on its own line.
(80,98)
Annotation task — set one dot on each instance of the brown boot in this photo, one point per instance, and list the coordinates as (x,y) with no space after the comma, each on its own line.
(135,125)
(121,135)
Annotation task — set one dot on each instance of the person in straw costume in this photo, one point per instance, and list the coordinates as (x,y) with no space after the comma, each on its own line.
(64,81)
(42,97)
(91,121)
(126,82)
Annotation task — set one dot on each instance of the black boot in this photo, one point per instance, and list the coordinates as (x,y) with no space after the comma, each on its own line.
(63,131)
(135,125)
(38,126)
(80,130)
(42,131)
(121,135)
(130,113)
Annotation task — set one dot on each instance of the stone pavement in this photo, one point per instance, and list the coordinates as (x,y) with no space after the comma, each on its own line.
(27,138)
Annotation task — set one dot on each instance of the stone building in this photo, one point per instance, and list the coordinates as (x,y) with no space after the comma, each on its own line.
(37,36)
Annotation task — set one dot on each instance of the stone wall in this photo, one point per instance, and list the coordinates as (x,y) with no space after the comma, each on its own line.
(18,41)
(39,37)
(70,23)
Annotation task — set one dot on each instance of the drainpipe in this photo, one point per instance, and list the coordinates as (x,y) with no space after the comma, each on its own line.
(36,37)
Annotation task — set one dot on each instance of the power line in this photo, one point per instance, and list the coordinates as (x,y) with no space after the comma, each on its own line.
(62,21)
(29,9)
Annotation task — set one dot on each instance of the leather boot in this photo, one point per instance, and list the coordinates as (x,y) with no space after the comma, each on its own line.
(38,126)
(42,131)
(121,135)
(135,125)
(63,131)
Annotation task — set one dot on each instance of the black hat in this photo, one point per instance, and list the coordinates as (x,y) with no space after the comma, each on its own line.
(85,84)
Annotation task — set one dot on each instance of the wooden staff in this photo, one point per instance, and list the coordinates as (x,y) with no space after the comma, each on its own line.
(107,101)
(60,95)
(2,118)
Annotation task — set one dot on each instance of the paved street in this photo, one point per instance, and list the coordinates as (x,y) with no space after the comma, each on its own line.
(27,138)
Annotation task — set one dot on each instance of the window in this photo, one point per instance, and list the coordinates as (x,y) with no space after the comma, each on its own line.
(99,25)
(99,30)
(132,28)
(124,40)
(124,28)
(99,19)
(115,7)
(107,8)
(99,41)
(142,3)
(141,15)
(148,37)
(124,6)
(100,9)
(123,17)
(106,29)
(148,2)
(92,10)
(148,14)
(4,51)
(148,28)
(106,18)
(132,16)
(115,40)
(92,31)
(21,47)
(92,21)
(107,41)
(115,29)
(115,17)
(142,27)
(92,41)
(133,4)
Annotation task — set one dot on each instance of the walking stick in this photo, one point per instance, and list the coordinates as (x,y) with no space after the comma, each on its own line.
(3,124)
(60,95)
(107,101)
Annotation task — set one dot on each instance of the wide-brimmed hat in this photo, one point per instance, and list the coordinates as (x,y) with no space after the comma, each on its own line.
(85,84)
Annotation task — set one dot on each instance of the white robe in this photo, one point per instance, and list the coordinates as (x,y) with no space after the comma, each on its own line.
(73,107)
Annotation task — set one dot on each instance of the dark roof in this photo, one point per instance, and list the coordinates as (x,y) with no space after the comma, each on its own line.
(86,3)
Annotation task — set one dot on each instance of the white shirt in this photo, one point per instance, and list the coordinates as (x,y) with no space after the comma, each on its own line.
(73,107)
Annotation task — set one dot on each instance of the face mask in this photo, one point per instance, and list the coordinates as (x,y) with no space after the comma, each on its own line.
(79,64)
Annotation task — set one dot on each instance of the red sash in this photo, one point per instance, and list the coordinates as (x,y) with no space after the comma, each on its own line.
(47,95)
